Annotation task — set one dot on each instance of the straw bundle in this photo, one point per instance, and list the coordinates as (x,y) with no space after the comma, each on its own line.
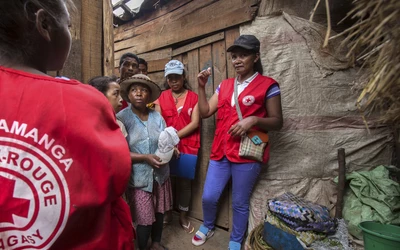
(374,42)
(255,241)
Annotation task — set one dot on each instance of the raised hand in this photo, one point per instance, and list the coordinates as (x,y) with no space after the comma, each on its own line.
(202,77)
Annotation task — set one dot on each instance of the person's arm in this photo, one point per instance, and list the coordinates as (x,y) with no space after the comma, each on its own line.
(192,126)
(274,121)
(151,159)
(206,108)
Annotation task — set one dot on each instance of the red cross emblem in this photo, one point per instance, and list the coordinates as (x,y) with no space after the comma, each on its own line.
(9,204)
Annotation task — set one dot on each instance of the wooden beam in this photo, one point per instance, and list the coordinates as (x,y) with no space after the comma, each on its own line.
(230,36)
(73,66)
(91,30)
(214,38)
(108,36)
(120,32)
(157,65)
(168,30)
(149,56)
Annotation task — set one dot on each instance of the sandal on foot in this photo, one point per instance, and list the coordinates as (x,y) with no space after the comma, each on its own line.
(188,228)
(202,235)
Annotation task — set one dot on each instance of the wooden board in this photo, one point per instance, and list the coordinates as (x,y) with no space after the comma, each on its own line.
(108,39)
(73,66)
(148,56)
(122,32)
(193,20)
(230,36)
(157,77)
(91,37)
(207,135)
(157,65)
(214,38)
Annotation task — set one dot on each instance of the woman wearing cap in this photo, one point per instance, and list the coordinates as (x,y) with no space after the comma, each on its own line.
(149,189)
(260,104)
(178,106)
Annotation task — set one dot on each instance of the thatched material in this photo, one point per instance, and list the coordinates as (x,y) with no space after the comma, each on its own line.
(374,41)
(255,240)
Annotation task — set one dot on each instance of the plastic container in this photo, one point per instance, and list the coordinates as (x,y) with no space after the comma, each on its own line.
(379,236)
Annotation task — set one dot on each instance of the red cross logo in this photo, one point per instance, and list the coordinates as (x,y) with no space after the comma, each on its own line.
(248,100)
(9,204)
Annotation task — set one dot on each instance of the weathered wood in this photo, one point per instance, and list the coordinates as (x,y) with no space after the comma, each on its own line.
(73,66)
(230,36)
(91,30)
(149,56)
(157,77)
(148,16)
(207,136)
(214,38)
(165,30)
(108,36)
(341,183)
(156,65)
(157,54)
(219,74)
(192,68)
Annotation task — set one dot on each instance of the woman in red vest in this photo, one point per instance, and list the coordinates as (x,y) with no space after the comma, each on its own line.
(178,105)
(259,101)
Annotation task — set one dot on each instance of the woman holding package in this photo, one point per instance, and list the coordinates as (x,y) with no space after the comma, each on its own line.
(68,163)
(178,105)
(248,106)
(149,191)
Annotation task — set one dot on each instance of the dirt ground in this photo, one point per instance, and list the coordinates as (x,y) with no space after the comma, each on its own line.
(175,238)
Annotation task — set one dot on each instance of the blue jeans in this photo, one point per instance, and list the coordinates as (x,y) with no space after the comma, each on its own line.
(244,175)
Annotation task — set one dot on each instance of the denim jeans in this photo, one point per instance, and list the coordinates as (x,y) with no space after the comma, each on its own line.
(244,175)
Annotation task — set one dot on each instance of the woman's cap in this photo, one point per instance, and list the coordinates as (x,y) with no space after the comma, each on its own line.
(248,42)
(167,140)
(143,79)
(174,67)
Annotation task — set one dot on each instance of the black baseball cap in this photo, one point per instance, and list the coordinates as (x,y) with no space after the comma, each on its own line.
(248,42)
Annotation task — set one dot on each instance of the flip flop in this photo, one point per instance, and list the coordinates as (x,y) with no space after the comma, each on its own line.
(188,228)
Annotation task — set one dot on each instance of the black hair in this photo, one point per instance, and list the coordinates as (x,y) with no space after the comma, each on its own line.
(102,83)
(126,55)
(142,61)
(186,84)
(258,66)
(17,25)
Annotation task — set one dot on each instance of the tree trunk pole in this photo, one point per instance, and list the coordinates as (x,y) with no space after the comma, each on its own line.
(341,182)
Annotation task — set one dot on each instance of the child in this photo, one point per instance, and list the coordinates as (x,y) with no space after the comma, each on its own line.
(64,163)
(178,106)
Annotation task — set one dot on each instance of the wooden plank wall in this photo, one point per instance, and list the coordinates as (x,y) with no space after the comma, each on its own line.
(92,37)
(86,56)
(185,20)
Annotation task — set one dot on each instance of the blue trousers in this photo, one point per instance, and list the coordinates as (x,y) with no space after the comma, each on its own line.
(244,175)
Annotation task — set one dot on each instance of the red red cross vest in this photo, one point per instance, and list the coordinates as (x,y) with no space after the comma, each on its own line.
(190,144)
(251,103)
(64,165)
